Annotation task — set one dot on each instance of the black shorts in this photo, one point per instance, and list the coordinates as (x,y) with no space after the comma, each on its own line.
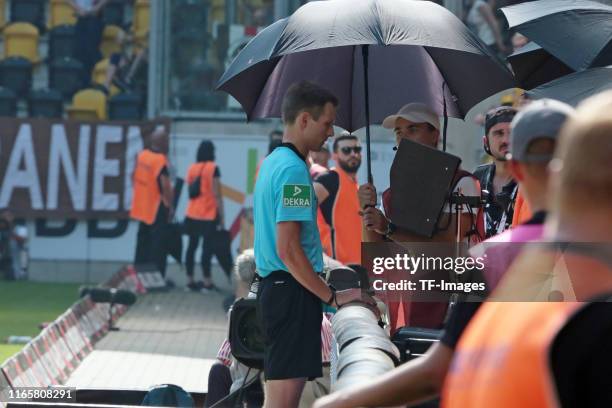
(291,319)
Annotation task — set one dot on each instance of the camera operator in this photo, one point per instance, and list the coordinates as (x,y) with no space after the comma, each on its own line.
(496,178)
(418,123)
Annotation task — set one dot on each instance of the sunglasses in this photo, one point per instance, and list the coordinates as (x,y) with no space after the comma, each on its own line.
(347,150)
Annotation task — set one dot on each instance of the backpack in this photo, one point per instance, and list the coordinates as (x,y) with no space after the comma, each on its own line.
(167,395)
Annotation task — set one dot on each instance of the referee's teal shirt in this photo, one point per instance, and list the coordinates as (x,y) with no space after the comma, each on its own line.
(284,192)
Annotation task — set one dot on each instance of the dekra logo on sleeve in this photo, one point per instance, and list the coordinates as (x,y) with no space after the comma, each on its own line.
(296,195)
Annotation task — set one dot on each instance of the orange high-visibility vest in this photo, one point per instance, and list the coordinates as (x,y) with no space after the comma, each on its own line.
(204,206)
(147,195)
(346,222)
(522,212)
(324,232)
(502,359)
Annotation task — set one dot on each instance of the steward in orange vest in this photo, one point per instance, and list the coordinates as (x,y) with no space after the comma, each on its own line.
(152,201)
(540,353)
(204,215)
(204,206)
(338,216)
(147,196)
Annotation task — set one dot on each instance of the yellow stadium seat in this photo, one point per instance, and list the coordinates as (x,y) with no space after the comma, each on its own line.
(60,13)
(98,75)
(217,10)
(21,40)
(2,14)
(141,17)
(111,40)
(88,104)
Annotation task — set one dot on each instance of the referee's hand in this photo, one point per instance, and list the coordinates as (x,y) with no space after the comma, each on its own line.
(356,296)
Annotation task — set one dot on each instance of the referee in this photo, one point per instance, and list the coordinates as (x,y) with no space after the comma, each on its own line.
(288,250)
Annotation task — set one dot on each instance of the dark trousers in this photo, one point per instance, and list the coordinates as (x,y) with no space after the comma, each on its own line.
(88,35)
(219,384)
(150,247)
(197,229)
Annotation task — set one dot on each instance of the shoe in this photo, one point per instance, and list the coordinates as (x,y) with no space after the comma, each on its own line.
(209,288)
(194,286)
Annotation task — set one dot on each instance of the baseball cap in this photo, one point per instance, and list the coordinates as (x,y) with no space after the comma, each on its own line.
(501,114)
(540,119)
(415,112)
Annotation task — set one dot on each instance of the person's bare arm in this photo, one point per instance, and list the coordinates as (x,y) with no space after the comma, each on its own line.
(110,73)
(321,192)
(367,199)
(167,194)
(99,6)
(134,66)
(77,10)
(292,254)
(487,13)
(376,225)
(418,380)
(219,198)
(369,235)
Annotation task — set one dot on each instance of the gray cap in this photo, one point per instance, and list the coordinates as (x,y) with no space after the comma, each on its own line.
(540,119)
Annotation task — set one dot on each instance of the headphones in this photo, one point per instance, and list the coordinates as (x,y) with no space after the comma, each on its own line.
(500,114)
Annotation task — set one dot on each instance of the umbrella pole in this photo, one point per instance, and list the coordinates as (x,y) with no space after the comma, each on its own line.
(445,118)
(364,51)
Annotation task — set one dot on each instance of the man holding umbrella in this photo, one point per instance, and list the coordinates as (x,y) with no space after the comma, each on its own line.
(418,123)
(288,249)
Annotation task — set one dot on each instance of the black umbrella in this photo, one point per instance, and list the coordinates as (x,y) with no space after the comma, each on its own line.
(577,32)
(573,88)
(534,66)
(387,52)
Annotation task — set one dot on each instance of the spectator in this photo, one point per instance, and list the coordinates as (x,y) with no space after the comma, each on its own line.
(418,123)
(88,33)
(534,133)
(566,343)
(319,161)
(288,250)
(13,249)
(204,213)
(336,190)
(481,19)
(495,178)
(127,69)
(275,139)
(152,201)
(228,374)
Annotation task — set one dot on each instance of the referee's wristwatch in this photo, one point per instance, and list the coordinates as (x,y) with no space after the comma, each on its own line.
(332,298)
